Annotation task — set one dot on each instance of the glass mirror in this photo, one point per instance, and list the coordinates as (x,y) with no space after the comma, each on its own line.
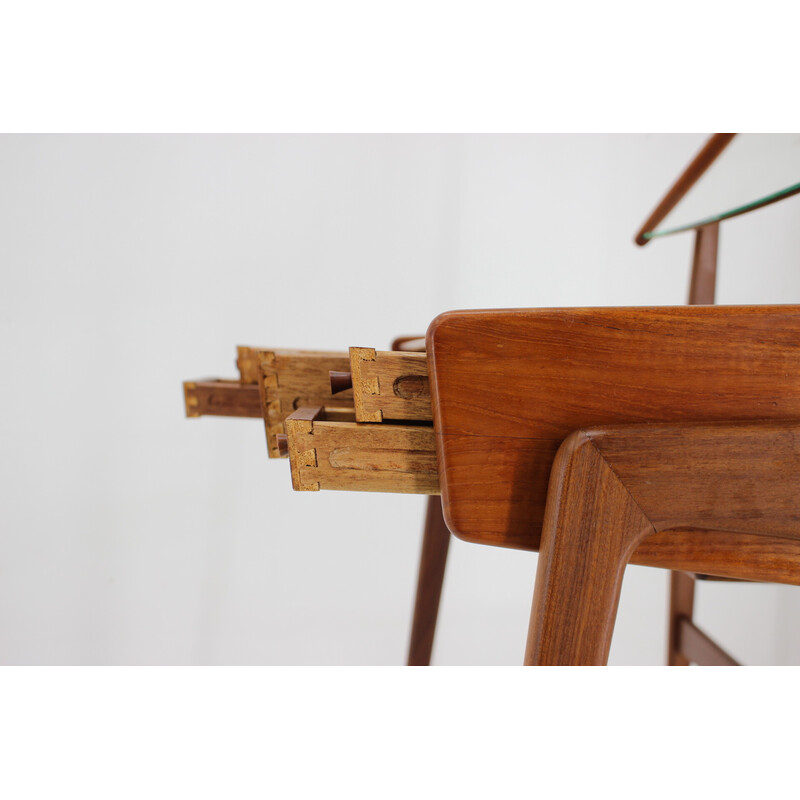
(753,170)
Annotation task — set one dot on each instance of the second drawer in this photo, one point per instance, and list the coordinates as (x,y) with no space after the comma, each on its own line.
(367,457)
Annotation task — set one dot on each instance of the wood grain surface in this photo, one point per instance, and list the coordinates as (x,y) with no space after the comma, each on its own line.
(361,457)
(432,563)
(509,386)
(612,488)
(591,528)
(390,385)
(249,360)
(292,379)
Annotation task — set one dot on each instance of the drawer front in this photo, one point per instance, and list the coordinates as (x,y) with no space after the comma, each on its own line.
(390,385)
(328,454)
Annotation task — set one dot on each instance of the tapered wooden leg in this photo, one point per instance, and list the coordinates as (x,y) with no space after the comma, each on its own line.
(681,607)
(612,488)
(433,559)
(591,527)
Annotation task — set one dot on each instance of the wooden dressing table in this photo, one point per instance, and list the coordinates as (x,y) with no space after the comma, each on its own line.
(661,436)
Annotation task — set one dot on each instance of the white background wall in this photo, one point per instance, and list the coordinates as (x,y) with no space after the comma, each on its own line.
(129,534)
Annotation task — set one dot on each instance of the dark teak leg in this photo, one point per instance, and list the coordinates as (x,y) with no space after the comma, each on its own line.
(681,607)
(433,559)
(591,528)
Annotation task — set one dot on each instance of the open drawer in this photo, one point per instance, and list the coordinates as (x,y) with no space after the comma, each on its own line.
(341,453)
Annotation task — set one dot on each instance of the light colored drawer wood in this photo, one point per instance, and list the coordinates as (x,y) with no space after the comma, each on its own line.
(292,379)
(354,456)
(390,385)
(300,366)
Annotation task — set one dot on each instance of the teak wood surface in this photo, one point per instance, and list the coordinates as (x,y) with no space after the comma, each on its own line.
(432,564)
(611,489)
(390,385)
(362,457)
(250,359)
(292,379)
(509,386)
